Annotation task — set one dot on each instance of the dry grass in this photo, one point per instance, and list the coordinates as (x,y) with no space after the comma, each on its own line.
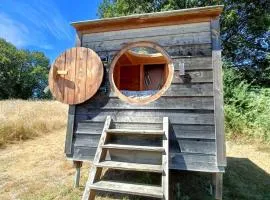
(38,170)
(22,120)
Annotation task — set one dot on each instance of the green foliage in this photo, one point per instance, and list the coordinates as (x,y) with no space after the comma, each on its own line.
(245,26)
(246,108)
(23,74)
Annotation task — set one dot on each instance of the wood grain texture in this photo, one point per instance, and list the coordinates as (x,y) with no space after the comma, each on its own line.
(194,162)
(128,188)
(165,159)
(183,16)
(166,40)
(170,102)
(147,32)
(83,78)
(149,116)
(130,166)
(70,130)
(218,93)
(175,51)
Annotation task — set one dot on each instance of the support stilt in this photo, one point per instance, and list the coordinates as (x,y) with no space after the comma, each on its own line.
(77,165)
(217,179)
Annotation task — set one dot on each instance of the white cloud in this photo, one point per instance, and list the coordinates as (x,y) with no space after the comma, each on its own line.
(30,24)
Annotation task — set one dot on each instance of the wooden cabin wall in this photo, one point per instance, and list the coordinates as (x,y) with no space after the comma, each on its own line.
(189,102)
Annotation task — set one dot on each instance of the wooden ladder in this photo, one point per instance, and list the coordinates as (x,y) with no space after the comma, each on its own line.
(95,182)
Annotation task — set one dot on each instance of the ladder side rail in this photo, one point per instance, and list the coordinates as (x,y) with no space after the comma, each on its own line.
(95,172)
(165,159)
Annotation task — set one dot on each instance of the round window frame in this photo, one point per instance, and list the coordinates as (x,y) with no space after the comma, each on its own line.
(154,97)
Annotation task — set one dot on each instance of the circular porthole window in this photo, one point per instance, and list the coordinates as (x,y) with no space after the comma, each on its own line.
(141,72)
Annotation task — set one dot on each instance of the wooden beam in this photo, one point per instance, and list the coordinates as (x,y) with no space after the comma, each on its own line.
(182,16)
(217,181)
(77,165)
(165,159)
(70,129)
(218,93)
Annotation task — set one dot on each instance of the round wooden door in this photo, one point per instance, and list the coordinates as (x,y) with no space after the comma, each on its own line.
(76,75)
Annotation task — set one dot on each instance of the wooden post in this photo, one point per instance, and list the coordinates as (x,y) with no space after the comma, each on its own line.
(218,93)
(77,165)
(217,181)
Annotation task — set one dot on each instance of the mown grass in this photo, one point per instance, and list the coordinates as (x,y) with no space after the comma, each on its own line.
(21,120)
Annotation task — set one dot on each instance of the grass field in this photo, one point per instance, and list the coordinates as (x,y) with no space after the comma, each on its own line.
(21,120)
(37,168)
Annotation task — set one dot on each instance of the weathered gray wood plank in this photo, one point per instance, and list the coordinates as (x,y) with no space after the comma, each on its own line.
(83,153)
(218,92)
(135,132)
(165,159)
(132,147)
(89,128)
(147,32)
(100,102)
(193,131)
(144,157)
(140,126)
(194,63)
(175,51)
(148,116)
(70,129)
(142,140)
(128,188)
(130,166)
(197,146)
(185,90)
(166,40)
(193,77)
(193,162)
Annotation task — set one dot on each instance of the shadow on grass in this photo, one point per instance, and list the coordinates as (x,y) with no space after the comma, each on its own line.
(243,180)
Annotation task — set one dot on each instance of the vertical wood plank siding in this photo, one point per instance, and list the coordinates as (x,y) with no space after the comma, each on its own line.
(71,113)
(188,103)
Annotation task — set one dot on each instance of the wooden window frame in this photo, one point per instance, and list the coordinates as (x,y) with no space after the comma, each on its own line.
(146,100)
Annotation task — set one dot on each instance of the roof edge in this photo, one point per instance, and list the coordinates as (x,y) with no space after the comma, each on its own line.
(209,10)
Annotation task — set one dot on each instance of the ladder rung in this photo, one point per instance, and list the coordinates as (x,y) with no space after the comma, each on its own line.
(133,147)
(139,132)
(130,166)
(128,188)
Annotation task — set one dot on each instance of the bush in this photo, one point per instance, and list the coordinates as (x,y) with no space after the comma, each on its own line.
(246,108)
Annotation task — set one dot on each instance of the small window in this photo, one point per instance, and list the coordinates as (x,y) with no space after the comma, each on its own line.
(141,73)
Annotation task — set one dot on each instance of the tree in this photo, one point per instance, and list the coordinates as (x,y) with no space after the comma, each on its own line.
(245,29)
(23,74)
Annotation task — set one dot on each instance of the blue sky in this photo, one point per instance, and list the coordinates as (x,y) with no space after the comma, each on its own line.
(44,25)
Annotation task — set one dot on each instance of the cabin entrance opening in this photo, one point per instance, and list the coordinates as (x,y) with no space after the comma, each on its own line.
(141,73)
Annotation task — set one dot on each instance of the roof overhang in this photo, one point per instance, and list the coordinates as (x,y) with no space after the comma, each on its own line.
(182,16)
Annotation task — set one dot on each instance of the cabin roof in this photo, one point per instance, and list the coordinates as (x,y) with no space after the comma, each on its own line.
(182,16)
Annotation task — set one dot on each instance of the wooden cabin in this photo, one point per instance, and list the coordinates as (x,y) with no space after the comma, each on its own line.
(157,102)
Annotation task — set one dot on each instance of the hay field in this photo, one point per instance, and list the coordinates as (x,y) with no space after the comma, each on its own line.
(21,120)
